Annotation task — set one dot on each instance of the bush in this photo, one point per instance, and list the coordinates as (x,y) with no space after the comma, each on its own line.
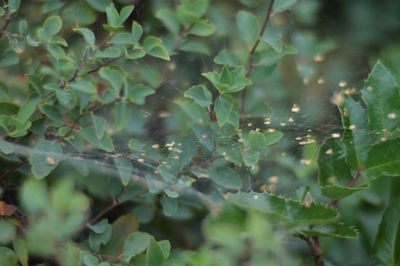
(175,133)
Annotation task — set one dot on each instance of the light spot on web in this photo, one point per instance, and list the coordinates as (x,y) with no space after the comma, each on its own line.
(319,58)
(369,88)
(273,179)
(335,135)
(329,152)
(321,81)
(155,146)
(295,108)
(342,84)
(305,162)
(352,127)
(391,116)
(337,99)
(255,197)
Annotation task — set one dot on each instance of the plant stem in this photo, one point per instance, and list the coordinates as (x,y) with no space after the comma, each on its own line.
(315,248)
(334,203)
(253,50)
(6,19)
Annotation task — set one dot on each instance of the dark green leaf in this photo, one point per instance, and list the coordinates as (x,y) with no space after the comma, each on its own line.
(45,157)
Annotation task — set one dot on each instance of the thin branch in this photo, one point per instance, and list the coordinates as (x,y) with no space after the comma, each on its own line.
(12,169)
(253,50)
(334,203)
(315,248)
(100,66)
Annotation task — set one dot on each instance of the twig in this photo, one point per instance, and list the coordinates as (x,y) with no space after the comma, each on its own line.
(101,65)
(113,204)
(12,169)
(315,248)
(253,50)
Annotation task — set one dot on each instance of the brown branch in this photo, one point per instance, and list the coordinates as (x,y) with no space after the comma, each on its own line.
(315,248)
(113,204)
(253,50)
(101,65)
(12,169)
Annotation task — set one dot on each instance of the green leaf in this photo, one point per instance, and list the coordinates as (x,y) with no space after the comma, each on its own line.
(194,111)
(121,229)
(135,244)
(21,250)
(52,25)
(169,19)
(137,93)
(85,86)
(288,210)
(356,136)
(334,173)
(33,196)
(13,6)
(228,81)
(154,254)
(225,177)
(109,52)
(105,143)
(6,147)
(200,95)
(45,157)
(226,112)
(204,134)
(123,38)
(386,248)
(7,257)
(125,12)
(270,56)
(273,37)
(112,16)
(100,227)
(100,125)
(195,47)
(225,57)
(125,169)
(154,47)
(382,97)
(114,77)
(248,26)
(169,205)
(137,31)
(282,5)
(87,34)
(260,140)
(383,159)
(122,114)
(8,59)
(332,230)
(99,5)
(202,28)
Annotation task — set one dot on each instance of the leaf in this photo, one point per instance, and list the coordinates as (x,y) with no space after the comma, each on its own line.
(332,230)
(44,158)
(8,59)
(169,19)
(137,31)
(225,177)
(386,248)
(194,111)
(135,244)
(100,125)
(6,147)
(291,211)
(99,5)
(269,56)
(204,134)
(137,93)
(21,251)
(228,81)
(87,34)
(202,28)
(226,111)
(154,255)
(123,38)
(121,229)
(52,25)
(112,16)
(200,95)
(248,26)
(334,173)
(100,227)
(382,97)
(105,143)
(195,47)
(169,205)
(109,52)
(7,257)
(154,47)
(114,77)
(125,169)
(125,12)
(273,37)
(225,57)
(33,196)
(13,6)
(282,5)
(84,86)
(356,136)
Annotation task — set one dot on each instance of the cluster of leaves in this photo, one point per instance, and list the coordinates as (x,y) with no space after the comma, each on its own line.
(74,89)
